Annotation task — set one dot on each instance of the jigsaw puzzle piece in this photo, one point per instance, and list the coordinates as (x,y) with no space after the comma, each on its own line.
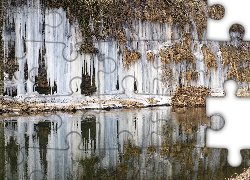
(50,42)
(24,18)
(213,67)
(217,122)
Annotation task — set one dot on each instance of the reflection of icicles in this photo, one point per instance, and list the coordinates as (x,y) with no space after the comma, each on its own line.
(110,131)
(201,136)
(217,122)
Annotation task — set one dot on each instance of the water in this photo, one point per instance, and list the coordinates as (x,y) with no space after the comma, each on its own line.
(148,143)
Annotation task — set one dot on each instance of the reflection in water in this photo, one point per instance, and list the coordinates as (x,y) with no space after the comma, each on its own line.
(151,143)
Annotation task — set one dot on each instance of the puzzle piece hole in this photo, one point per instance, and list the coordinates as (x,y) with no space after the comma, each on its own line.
(234,157)
(231,88)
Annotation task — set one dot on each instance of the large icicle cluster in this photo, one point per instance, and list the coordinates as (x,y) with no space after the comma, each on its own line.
(43,37)
(150,58)
(46,35)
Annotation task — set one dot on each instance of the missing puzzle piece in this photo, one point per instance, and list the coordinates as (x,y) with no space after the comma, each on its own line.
(236,129)
(235,12)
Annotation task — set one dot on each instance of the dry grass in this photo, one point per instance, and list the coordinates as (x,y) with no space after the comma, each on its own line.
(210,58)
(150,57)
(151,149)
(189,76)
(164,56)
(179,51)
(152,101)
(237,60)
(245,175)
(130,149)
(135,56)
(120,36)
(190,96)
(108,18)
(130,56)
(126,58)
(216,12)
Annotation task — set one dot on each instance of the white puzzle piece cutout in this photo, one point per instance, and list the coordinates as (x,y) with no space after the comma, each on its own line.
(235,12)
(235,134)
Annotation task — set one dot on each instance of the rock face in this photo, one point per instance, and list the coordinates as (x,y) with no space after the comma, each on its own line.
(44,51)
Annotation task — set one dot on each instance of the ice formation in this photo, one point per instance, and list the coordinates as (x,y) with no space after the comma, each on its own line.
(45,39)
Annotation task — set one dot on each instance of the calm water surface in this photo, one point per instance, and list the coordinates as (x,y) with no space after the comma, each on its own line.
(150,143)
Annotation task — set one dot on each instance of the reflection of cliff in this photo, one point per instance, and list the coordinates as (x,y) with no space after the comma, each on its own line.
(42,131)
(191,116)
(133,143)
(2,151)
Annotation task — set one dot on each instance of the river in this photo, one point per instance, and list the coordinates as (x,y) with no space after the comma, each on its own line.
(146,143)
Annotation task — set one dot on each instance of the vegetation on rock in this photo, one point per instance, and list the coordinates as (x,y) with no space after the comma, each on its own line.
(130,56)
(102,19)
(190,96)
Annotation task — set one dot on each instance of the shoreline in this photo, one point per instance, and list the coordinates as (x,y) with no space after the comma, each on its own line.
(35,103)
